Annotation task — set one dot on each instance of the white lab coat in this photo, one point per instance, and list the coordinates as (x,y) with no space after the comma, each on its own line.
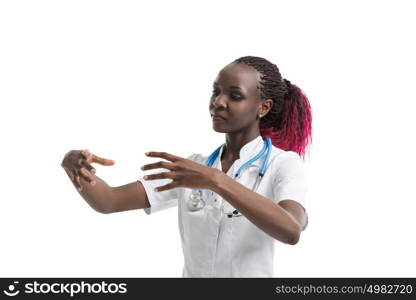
(215,245)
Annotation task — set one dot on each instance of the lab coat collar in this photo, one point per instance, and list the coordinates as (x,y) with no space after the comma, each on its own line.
(249,150)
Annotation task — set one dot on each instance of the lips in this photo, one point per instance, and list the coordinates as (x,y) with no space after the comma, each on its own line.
(217,116)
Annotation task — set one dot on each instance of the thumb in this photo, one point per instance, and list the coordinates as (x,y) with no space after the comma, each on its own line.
(102,161)
(109,162)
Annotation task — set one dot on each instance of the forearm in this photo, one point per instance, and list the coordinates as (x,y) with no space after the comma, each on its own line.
(261,211)
(99,196)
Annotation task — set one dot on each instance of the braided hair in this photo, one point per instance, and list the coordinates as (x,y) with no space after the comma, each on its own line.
(289,122)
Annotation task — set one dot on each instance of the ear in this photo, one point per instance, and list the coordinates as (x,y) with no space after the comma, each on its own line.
(265,107)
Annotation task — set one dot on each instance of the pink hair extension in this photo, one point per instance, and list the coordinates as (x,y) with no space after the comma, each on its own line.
(295,133)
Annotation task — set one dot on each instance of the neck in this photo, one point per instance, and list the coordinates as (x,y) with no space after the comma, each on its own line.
(235,141)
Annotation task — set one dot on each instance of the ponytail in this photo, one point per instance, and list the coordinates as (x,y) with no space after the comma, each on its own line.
(292,130)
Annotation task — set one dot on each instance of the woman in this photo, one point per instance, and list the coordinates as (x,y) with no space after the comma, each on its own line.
(228,224)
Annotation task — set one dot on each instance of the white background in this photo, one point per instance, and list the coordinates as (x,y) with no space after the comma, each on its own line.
(123,77)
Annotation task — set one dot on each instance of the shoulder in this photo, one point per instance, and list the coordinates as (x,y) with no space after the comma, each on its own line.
(282,156)
(285,162)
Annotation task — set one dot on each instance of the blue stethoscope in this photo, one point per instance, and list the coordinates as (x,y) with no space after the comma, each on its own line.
(196,202)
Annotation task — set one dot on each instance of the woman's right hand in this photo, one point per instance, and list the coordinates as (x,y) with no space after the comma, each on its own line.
(77,163)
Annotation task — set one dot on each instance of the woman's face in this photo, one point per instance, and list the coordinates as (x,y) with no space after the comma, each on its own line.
(236,97)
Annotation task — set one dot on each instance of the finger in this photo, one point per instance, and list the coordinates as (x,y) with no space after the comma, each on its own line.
(164,155)
(90,168)
(87,155)
(166,187)
(87,176)
(157,165)
(159,176)
(76,179)
(78,183)
(102,161)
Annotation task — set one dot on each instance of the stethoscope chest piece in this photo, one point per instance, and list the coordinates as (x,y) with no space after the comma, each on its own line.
(195,202)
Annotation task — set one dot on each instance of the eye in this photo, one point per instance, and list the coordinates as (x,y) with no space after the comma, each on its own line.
(235,96)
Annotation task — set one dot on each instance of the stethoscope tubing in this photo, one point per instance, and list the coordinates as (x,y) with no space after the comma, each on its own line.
(266,148)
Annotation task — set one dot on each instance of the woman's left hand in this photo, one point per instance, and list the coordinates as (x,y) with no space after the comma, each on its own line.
(184,172)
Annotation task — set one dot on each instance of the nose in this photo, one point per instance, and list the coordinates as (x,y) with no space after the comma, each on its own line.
(218,101)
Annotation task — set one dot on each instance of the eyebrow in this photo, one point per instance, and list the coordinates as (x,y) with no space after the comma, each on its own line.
(232,86)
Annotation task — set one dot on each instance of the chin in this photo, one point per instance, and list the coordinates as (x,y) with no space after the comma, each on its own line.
(219,129)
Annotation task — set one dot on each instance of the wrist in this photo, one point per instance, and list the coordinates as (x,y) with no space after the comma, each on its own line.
(218,180)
